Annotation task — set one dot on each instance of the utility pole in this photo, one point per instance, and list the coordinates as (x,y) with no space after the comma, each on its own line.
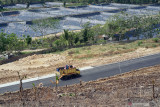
(120,67)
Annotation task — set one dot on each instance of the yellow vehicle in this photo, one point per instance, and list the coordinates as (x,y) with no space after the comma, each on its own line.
(68,71)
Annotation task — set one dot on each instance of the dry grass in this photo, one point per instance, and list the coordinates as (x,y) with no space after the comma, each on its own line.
(109,49)
(135,86)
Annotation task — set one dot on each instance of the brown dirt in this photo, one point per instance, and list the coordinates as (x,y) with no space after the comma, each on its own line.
(135,87)
(44,64)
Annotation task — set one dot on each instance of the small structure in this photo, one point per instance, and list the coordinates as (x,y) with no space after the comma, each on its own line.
(105,37)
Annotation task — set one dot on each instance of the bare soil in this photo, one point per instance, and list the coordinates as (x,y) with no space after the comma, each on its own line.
(134,88)
(44,64)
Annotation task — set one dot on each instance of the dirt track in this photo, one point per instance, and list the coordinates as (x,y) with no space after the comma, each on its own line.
(38,65)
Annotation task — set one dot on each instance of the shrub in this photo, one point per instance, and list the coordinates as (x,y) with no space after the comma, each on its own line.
(155,40)
(139,43)
(154,45)
(147,47)
(73,52)
(28,40)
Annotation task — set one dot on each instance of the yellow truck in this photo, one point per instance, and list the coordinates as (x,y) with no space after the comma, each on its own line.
(68,71)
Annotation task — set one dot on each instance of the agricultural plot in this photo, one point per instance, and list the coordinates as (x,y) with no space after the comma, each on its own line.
(47,4)
(17,22)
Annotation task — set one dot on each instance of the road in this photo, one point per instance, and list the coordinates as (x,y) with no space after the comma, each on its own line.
(96,72)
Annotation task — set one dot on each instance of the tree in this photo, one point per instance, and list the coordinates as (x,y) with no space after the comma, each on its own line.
(60,43)
(3,42)
(28,40)
(64,4)
(86,32)
(66,34)
(12,2)
(90,1)
(28,4)
(10,42)
(96,1)
(43,25)
(21,85)
(13,42)
(1,5)
(43,2)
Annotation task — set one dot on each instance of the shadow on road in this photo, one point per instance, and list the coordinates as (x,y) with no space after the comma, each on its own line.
(65,78)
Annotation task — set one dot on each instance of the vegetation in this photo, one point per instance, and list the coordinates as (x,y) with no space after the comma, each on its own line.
(140,86)
(84,2)
(115,1)
(120,27)
(73,2)
(10,42)
(43,25)
(125,26)
(95,51)
(155,39)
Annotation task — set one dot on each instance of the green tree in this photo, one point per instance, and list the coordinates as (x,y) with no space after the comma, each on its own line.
(28,40)
(10,42)
(3,42)
(86,32)
(66,34)
(12,2)
(13,42)
(28,4)
(1,5)
(64,4)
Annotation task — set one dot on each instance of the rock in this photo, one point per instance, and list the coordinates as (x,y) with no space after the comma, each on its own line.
(80,94)
(93,90)
(60,95)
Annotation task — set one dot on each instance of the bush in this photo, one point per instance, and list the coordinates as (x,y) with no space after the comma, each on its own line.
(155,40)
(28,40)
(73,52)
(139,43)
(154,45)
(101,41)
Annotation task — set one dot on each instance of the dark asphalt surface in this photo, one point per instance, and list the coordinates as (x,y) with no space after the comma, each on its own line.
(96,72)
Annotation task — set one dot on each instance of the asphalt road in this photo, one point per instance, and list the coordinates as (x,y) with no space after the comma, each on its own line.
(96,72)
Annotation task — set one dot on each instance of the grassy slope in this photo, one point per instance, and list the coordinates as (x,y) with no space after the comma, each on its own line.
(109,49)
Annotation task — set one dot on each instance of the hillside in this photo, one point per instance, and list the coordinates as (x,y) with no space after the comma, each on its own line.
(44,64)
(133,88)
